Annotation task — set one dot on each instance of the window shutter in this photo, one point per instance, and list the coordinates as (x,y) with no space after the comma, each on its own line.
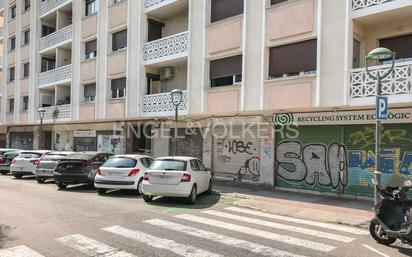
(119,40)
(91,46)
(402,46)
(221,9)
(89,90)
(226,67)
(293,58)
(118,83)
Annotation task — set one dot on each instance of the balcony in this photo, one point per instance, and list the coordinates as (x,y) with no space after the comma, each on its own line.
(164,9)
(167,48)
(57,76)
(361,4)
(161,105)
(398,84)
(61,113)
(60,37)
(51,5)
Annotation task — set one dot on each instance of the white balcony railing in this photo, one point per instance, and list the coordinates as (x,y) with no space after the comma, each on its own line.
(151,3)
(168,46)
(57,113)
(56,76)
(360,4)
(399,82)
(161,105)
(49,5)
(62,35)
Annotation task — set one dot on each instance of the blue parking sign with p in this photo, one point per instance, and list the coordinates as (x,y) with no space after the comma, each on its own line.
(382,107)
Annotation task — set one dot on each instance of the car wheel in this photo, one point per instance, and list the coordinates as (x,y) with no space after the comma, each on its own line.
(101,191)
(379,235)
(41,180)
(4,173)
(210,188)
(147,198)
(18,176)
(61,185)
(139,189)
(193,195)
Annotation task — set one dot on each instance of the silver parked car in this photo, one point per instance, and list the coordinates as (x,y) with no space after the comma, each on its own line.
(47,165)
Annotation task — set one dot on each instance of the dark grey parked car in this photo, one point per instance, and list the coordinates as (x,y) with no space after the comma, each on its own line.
(6,157)
(47,165)
(79,168)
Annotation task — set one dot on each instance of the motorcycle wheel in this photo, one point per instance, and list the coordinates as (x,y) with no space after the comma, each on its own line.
(379,235)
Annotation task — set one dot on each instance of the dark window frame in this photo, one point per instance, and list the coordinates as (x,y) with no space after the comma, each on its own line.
(89,98)
(25,102)
(12,42)
(26,70)
(27,4)
(93,5)
(118,91)
(26,37)
(223,9)
(90,49)
(13,12)
(12,74)
(118,42)
(10,105)
(226,71)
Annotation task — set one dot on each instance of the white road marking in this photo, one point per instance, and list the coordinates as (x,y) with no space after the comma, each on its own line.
(19,251)
(265,223)
(299,221)
(92,247)
(161,243)
(375,251)
(259,233)
(226,240)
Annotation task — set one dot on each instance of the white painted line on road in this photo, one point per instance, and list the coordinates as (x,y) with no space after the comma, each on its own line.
(226,240)
(265,223)
(161,243)
(259,233)
(19,251)
(300,221)
(375,251)
(92,247)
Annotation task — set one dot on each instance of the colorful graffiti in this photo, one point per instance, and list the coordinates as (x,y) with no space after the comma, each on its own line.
(312,163)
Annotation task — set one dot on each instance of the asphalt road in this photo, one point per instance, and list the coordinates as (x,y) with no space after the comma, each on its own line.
(39,220)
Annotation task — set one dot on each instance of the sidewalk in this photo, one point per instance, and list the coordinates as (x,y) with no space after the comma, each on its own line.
(350,212)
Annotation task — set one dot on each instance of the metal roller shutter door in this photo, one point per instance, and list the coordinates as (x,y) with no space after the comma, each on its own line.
(236,156)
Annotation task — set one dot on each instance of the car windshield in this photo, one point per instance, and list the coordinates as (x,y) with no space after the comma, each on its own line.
(168,165)
(120,162)
(30,155)
(54,156)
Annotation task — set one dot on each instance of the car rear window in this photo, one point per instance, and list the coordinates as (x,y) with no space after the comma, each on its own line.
(168,165)
(30,155)
(10,154)
(120,162)
(54,156)
(80,156)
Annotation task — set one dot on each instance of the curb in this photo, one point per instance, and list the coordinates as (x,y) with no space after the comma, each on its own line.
(361,225)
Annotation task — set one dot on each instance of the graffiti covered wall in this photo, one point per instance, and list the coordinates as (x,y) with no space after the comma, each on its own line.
(341,159)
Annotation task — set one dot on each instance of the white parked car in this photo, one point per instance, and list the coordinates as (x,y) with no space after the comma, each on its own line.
(122,172)
(26,162)
(176,177)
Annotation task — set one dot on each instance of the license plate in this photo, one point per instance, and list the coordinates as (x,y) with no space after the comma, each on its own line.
(69,166)
(21,168)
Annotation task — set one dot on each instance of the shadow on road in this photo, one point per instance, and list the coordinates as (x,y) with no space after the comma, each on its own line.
(4,234)
(79,188)
(121,194)
(203,201)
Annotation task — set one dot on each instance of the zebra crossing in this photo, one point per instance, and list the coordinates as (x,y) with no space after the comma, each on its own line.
(224,221)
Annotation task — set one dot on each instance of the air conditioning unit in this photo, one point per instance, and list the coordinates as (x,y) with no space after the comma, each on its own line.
(167,73)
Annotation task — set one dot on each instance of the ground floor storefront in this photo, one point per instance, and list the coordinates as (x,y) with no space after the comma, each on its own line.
(322,152)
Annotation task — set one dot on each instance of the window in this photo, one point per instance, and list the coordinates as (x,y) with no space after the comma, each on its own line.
(292,59)
(226,71)
(273,2)
(222,9)
(194,165)
(26,70)
(90,92)
(142,142)
(25,106)
(356,54)
(12,43)
(27,4)
(118,88)
(47,64)
(91,49)
(154,30)
(26,37)
(153,86)
(123,162)
(91,7)
(12,12)
(11,105)
(400,45)
(119,40)
(146,162)
(46,30)
(12,74)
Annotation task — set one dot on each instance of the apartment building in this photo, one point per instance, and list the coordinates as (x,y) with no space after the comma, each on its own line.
(98,66)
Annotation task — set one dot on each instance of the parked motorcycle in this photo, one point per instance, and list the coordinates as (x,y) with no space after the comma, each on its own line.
(393,214)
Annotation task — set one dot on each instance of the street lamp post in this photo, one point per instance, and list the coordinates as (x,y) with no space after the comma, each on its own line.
(41,112)
(379,54)
(177,98)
